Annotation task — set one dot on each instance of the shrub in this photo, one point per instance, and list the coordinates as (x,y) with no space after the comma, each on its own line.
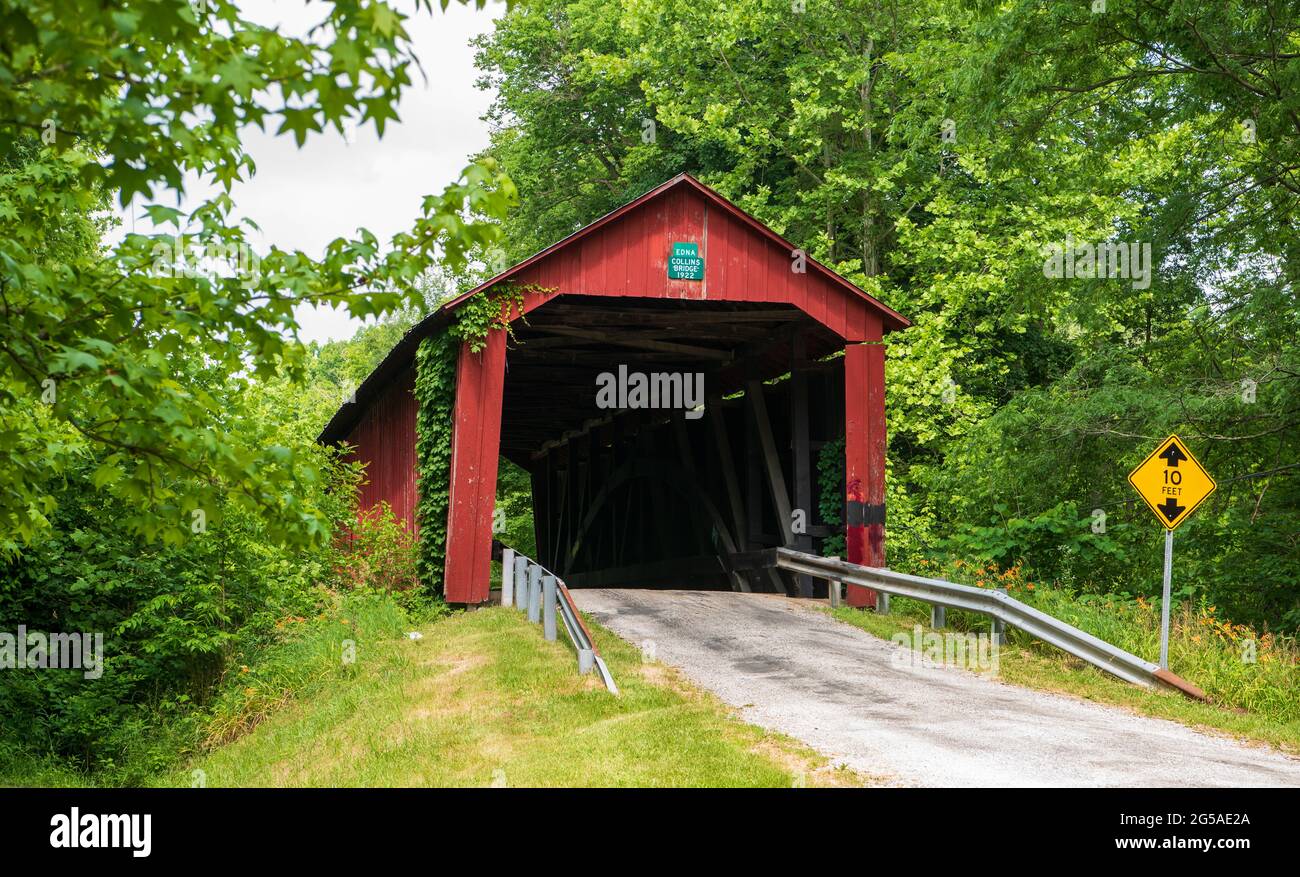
(172,620)
(380,553)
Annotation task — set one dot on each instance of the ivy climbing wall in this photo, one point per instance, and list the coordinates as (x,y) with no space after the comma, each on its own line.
(435,396)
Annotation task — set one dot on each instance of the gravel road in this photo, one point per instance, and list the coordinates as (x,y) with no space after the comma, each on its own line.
(844,692)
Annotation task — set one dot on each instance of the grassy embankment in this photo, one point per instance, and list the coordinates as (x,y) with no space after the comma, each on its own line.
(482,699)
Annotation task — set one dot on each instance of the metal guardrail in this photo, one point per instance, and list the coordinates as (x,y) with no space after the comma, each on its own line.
(1002,608)
(534,589)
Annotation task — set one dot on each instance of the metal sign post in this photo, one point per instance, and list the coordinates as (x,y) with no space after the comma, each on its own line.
(1164,605)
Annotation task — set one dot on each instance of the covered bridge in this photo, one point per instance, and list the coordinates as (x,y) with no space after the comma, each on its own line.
(677,372)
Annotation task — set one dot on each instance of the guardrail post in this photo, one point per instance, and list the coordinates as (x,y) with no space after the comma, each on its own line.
(938,616)
(999,628)
(834,588)
(548,608)
(507,577)
(586,661)
(882,603)
(521,582)
(534,593)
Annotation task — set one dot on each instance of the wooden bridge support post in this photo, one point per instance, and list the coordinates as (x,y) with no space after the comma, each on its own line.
(475,441)
(541,481)
(717,416)
(864,457)
(771,464)
(801,451)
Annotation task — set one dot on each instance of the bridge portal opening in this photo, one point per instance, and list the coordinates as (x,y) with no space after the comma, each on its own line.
(668,441)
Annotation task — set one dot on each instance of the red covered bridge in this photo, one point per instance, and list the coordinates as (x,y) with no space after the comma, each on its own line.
(677,287)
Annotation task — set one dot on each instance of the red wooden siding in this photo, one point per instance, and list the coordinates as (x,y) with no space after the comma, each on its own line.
(385,440)
(628,257)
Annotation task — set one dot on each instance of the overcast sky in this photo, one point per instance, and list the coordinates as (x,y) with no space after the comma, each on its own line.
(302,199)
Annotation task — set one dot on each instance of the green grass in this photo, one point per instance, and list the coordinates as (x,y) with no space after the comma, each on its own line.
(1258,702)
(309,659)
(482,698)
(19,768)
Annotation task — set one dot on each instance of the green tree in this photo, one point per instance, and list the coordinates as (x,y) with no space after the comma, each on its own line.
(930,152)
(128,100)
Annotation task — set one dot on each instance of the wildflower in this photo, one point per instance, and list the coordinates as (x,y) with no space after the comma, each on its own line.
(243,669)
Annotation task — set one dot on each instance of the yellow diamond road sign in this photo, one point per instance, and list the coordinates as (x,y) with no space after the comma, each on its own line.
(1172,482)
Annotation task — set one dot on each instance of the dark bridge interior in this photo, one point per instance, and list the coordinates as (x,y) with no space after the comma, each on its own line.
(653,498)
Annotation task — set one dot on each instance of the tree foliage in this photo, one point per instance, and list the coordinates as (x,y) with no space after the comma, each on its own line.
(930,152)
(161,482)
(103,347)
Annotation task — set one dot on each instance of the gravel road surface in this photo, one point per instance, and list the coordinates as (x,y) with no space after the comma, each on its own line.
(788,667)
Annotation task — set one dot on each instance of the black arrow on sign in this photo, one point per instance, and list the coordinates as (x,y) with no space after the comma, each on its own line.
(1171,509)
(1172,454)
